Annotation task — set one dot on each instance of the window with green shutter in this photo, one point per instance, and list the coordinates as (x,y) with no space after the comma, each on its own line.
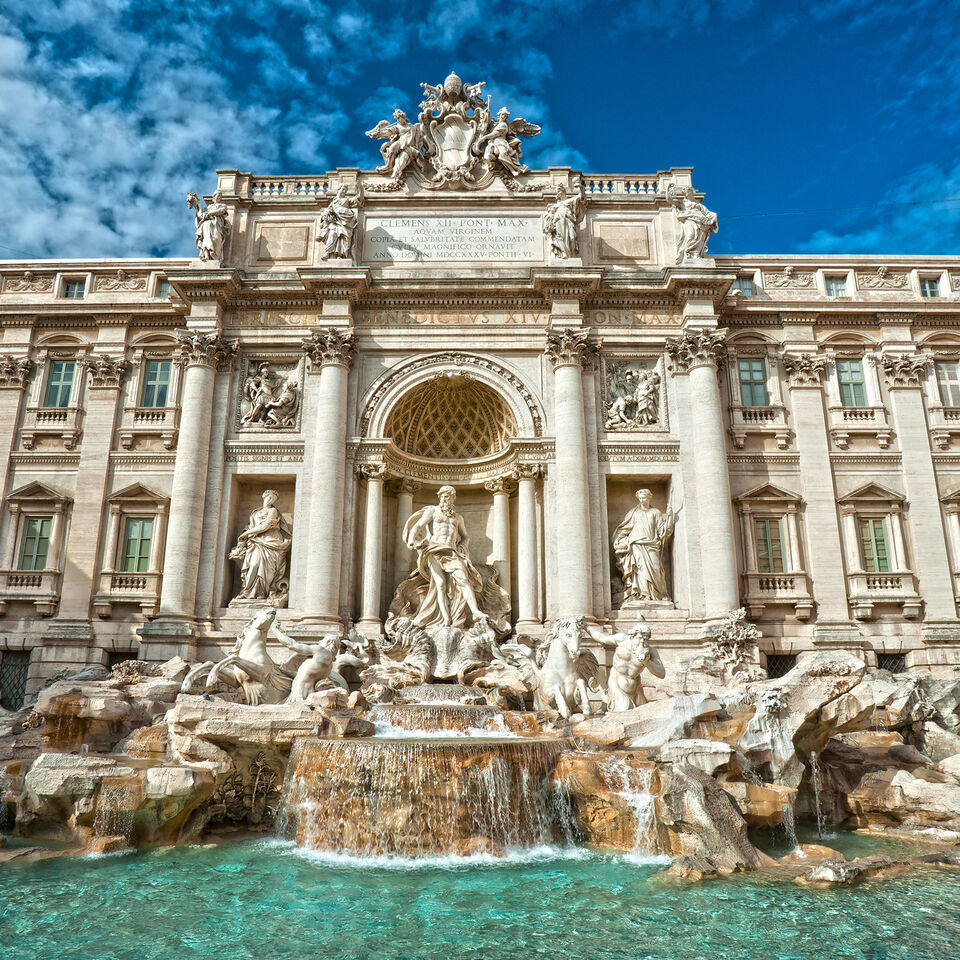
(753,382)
(138,535)
(768,536)
(59,383)
(35,543)
(156,383)
(853,391)
(873,545)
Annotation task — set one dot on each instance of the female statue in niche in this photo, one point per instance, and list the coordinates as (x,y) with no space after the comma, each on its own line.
(262,549)
(639,543)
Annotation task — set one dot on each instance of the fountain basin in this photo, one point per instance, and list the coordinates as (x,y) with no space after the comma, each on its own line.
(424,797)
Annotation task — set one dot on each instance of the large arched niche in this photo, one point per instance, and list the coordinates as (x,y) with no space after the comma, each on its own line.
(417,386)
(451,417)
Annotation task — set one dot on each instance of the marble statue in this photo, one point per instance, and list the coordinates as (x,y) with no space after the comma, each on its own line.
(262,550)
(319,666)
(638,543)
(696,225)
(211,224)
(560,224)
(636,399)
(501,141)
(560,670)
(631,656)
(248,667)
(272,399)
(404,143)
(338,223)
(733,643)
(451,581)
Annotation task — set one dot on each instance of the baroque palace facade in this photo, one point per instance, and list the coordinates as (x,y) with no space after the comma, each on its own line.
(185,440)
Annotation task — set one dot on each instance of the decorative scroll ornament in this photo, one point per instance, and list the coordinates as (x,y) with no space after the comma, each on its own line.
(804,369)
(789,278)
(14,371)
(329,346)
(904,370)
(121,280)
(208,349)
(455,141)
(694,348)
(105,371)
(881,280)
(28,283)
(211,223)
(571,347)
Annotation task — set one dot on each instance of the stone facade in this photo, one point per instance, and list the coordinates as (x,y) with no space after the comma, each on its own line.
(798,418)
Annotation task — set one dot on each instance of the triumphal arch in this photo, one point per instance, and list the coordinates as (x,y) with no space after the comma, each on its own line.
(455,395)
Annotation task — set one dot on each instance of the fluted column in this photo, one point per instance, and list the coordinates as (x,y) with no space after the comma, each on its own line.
(372,544)
(330,353)
(402,555)
(500,488)
(202,354)
(528,552)
(569,352)
(697,354)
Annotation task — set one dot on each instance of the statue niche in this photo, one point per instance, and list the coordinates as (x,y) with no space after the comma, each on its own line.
(263,551)
(640,548)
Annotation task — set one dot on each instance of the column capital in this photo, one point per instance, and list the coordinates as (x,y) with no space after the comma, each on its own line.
(528,471)
(570,348)
(804,369)
(904,369)
(500,485)
(370,471)
(106,372)
(696,348)
(398,485)
(205,349)
(330,346)
(14,371)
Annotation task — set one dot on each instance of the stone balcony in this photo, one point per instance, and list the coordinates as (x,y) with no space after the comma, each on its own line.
(62,422)
(847,422)
(770,420)
(39,587)
(866,590)
(944,424)
(142,589)
(761,590)
(163,422)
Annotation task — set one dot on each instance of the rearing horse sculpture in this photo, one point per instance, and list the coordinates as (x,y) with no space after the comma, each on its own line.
(560,669)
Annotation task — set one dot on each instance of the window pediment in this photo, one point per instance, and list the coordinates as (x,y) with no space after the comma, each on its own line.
(768,493)
(39,493)
(872,493)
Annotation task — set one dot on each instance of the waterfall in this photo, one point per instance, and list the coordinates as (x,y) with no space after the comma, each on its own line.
(433,719)
(422,797)
(634,784)
(788,820)
(116,802)
(817,783)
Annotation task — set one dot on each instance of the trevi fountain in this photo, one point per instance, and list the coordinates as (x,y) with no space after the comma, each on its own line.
(544,729)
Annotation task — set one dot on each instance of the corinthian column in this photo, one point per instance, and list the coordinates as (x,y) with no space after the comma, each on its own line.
(372,545)
(202,354)
(330,353)
(528,552)
(569,352)
(697,355)
(402,555)
(500,488)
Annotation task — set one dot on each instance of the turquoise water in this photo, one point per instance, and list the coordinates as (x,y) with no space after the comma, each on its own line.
(268,901)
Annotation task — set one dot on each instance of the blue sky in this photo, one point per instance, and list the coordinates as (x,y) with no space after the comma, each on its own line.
(111,110)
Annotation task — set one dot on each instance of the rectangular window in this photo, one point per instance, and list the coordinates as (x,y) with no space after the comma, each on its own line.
(780,664)
(929,286)
(853,391)
(156,383)
(163,288)
(873,545)
(894,662)
(74,289)
(14,667)
(948,380)
(768,535)
(836,286)
(136,545)
(35,543)
(745,286)
(753,382)
(59,383)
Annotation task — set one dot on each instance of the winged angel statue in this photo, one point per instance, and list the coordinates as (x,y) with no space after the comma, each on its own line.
(454,141)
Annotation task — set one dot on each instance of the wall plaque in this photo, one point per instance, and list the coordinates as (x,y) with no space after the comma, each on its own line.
(392,239)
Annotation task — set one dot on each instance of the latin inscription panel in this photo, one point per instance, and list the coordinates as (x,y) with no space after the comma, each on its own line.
(395,239)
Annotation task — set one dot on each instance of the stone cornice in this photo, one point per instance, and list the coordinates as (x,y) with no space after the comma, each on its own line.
(218,284)
(566,282)
(571,348)
(329,346)
(335,283)
(710,285)
(694,348)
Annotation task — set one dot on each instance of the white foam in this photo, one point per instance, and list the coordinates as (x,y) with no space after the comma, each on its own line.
(383,730)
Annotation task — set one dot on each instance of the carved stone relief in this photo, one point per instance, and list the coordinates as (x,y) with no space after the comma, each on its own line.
(788,279)
(270,394)
(881,280)
(28,283)
(632,394)
(121,280)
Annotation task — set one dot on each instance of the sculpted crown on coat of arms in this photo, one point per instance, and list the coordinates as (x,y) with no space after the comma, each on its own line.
(455,140)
